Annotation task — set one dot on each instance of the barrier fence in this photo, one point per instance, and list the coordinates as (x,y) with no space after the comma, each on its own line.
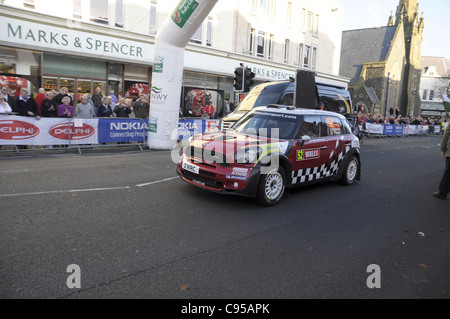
(87,133)
(399,130)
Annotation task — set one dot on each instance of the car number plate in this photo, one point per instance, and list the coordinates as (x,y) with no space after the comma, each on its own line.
(191,168)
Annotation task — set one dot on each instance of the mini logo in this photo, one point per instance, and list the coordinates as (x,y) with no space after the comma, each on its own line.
(63,131)
(17,130)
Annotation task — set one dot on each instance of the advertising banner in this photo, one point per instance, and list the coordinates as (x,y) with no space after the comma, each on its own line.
(116,130)
(20,130)
(190,127)
(393,129)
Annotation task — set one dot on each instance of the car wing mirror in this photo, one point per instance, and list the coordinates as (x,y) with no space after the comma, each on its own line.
(303,140)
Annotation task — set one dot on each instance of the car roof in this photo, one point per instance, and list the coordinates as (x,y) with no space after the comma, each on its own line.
(289,109)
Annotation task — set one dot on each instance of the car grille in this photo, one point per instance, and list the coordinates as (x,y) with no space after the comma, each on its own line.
(202,180)
(218,158)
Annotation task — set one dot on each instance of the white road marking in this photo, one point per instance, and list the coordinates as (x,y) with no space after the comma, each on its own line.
(66,191)
(86,190)
(157,182)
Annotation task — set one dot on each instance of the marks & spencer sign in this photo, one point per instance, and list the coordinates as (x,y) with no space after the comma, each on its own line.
(48,37)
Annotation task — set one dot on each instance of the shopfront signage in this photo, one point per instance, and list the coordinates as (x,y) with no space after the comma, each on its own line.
(47,37)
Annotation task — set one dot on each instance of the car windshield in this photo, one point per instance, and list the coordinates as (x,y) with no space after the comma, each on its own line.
(269,124)
(261,95)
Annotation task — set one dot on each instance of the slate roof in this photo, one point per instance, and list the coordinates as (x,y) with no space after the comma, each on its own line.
(364,45)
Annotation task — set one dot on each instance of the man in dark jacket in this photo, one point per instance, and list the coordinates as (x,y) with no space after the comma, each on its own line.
(25,105)
(105,109)
(62,94)
(444,187)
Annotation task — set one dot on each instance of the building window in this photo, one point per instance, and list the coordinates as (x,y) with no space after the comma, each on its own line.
(303,17)
(425,95)
(29,4)
(119,13)
(252,40)
(272,8)
(262,7)
(299,54)
(314,59)
(254,5)
(286,51)
(197,37)
(99,11)
(289,13)
(261,42)
(431,98)
(316,26)
(306,56)
(309,21)
(209,30)
(153,21)
(77,9)
(270,49)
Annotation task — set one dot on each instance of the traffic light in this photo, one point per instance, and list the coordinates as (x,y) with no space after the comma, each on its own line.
(248,79)
(239,79)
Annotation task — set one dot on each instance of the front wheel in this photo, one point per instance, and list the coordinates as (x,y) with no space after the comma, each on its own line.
(271,187)
(351,171)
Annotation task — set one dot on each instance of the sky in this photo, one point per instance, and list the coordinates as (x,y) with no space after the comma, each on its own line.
(360,14)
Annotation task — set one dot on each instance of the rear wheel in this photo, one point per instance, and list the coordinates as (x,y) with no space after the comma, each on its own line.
(351,171)
(271,187)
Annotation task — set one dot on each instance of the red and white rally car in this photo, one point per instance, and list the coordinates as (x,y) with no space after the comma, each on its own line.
(271,149)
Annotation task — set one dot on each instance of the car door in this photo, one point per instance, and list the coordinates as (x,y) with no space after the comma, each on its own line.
(309,159)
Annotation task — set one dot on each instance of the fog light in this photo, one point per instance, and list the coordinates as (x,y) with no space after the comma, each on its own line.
(236,185)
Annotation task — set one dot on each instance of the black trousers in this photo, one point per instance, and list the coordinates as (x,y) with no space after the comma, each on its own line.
(444,187)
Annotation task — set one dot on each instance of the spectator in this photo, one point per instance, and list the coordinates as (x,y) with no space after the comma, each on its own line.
(85,109)
(114,97)
(4,107)
(65,109)
(25,105)
(122,109)
(8,97)
(105,109)
(141,107)
(129,103)
(111,104)
(48,106)
(97,99)
(62,94)
(444,186)
(39,98)
(209,110)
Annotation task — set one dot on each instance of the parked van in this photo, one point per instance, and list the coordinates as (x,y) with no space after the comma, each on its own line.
(334,98)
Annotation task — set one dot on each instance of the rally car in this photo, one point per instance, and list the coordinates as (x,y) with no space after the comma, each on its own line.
(270,150)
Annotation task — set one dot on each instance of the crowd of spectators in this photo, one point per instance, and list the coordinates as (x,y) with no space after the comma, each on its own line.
(54,104)
(396,119)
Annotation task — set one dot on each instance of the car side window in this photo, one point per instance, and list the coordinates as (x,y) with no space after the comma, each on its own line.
(287,99)
(310,126)
(333,124)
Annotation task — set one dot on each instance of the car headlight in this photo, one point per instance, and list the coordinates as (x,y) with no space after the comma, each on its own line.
(247,155)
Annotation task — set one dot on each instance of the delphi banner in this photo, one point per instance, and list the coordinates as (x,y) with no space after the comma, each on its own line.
(20,130)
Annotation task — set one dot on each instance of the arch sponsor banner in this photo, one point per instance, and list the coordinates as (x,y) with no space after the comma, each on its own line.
(20,130)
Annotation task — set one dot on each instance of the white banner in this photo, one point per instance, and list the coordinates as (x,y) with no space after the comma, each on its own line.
(20,130)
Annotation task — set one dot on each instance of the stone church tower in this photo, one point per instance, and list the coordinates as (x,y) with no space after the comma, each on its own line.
(408,14)
(383,63)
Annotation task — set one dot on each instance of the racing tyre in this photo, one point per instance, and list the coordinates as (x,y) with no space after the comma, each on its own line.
(351,171)
(271,187)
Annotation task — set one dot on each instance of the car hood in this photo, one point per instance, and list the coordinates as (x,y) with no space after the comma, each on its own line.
(229,143)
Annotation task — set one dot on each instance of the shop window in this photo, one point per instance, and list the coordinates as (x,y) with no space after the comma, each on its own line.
(20,69)
(115,75)
(136,81)
(99,11)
